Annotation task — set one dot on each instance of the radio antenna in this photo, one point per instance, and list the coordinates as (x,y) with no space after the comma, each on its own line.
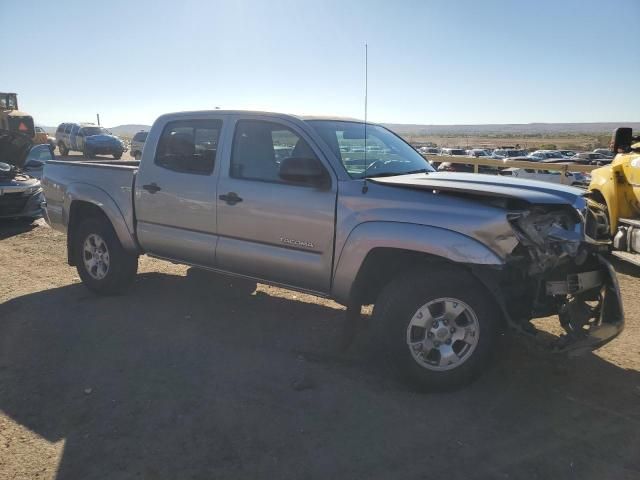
(365,188)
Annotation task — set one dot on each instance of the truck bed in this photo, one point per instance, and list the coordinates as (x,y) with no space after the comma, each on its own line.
(66,179)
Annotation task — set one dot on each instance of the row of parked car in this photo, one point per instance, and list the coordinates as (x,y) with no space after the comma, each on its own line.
(597,157)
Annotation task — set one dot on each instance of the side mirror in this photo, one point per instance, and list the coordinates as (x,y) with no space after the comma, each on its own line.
(622,139)
(302,170)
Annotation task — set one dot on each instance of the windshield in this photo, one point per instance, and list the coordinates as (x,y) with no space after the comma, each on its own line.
(386,153)
(88,131)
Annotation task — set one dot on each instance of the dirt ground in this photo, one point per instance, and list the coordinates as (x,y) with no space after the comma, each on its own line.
(177,381)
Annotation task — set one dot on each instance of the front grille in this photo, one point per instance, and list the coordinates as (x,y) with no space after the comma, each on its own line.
(12,203)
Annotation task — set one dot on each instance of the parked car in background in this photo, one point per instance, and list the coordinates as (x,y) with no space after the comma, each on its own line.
(478,153)
(544,154)
(576,179)
(89,139)
(40,135)
(604,151)
(447,259)
(568,153)
(137,142)
(20,193)
(592,158)
(453,152)
(429,150)
(504,153)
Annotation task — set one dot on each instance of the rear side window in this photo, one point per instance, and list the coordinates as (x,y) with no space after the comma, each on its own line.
(140,137)
(259,147)
(189,146)
(60,128)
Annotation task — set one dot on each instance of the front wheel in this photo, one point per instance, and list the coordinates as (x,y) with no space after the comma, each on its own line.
(117,156)
(439,327)
(104,266)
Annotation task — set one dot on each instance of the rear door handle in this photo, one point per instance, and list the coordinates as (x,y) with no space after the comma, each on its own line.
(231,198)
(151,187)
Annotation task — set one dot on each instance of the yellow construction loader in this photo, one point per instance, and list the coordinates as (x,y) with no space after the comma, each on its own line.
(617,188)
(13,119)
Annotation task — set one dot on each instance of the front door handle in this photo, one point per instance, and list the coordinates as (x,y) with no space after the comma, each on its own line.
(151,187)
(231,198)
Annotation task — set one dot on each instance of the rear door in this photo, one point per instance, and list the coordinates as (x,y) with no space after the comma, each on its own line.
(73,140)
(269,228)
(175,192)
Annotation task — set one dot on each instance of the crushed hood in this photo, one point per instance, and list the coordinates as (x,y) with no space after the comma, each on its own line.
(532,191)
(14,148)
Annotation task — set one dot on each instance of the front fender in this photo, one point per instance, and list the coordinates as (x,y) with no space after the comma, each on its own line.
(438,242)
(83,192)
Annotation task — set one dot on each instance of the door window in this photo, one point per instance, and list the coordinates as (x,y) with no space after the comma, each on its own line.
(259,147)
(189,146)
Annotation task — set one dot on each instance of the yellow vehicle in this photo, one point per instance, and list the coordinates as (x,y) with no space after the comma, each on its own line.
(617,187)
(13,119)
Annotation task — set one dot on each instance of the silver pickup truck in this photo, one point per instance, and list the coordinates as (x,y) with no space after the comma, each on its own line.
(349,211)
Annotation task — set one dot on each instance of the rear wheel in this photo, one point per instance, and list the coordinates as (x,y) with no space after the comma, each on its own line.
(102,263)
(438,327)
(64,151)
(137,156)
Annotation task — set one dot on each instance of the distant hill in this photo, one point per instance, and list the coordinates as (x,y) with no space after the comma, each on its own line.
(128,130)
(511,128)
(490,129)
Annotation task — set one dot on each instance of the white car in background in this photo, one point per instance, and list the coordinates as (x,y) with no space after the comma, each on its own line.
(576,179)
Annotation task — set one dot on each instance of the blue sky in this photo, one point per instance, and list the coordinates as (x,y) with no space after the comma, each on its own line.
(434,62)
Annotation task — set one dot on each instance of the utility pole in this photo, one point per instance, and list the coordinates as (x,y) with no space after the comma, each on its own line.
(98,117)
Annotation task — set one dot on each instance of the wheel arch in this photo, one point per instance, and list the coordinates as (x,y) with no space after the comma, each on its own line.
(85,201)
(374,252)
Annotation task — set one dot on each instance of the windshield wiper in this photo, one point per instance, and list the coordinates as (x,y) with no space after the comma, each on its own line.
(396,174)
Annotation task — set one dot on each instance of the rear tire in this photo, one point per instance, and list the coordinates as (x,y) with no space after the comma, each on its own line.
(461,323)
(137,156)
(102,263)
(64,151)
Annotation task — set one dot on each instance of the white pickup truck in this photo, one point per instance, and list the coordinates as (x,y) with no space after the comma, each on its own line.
(353,213)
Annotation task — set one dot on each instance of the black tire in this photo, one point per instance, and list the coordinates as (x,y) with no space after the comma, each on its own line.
(117,156)
(64,151)
(401,299)
(123,266)
(137,155)
(87,154)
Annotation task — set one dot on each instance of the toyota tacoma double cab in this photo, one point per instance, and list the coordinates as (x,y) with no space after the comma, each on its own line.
(348,211)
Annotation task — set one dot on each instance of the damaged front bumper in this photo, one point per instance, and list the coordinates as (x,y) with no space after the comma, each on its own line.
(589,306)
(591,327)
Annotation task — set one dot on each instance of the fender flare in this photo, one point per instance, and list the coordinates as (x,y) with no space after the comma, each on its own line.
(437,242)
(83,192)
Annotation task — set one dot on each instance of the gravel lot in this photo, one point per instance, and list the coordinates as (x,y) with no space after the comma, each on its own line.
(177,381)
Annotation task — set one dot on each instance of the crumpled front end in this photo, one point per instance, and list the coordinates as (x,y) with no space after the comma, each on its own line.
(559,268)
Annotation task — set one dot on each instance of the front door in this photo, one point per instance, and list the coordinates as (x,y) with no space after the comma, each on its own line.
(270,228)
(175,193)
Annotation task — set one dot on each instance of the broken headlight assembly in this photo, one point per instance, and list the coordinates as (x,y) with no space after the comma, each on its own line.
(549,235)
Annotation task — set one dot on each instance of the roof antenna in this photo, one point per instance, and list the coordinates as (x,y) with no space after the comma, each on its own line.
(365,188)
